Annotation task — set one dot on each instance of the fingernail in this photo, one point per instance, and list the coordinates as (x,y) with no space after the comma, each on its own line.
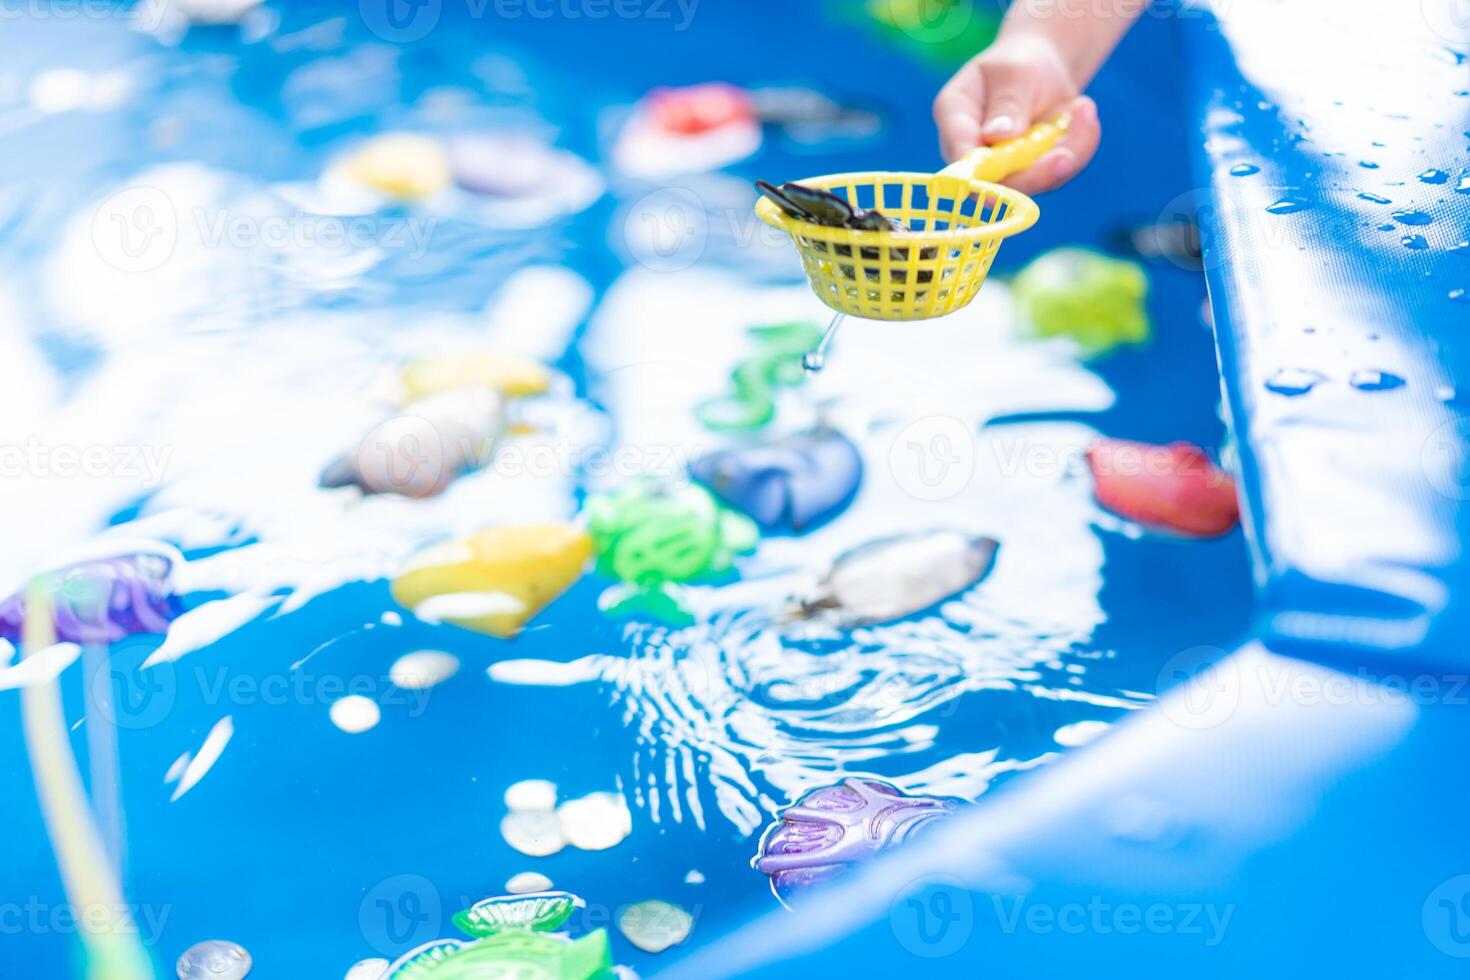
(1000,124)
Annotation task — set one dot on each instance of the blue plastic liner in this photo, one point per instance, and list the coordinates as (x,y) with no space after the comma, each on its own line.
(1297,810)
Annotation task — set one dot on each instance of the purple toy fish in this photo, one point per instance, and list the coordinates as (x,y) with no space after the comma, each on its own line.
(102,600)
(830,829)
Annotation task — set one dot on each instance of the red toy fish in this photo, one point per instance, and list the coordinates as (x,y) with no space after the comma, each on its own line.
(1174,487)
(699,108)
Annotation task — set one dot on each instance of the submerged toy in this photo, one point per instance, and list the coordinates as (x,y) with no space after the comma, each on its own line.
(402,165)
(897,576)
(104,599)
(509,375)
(793,483)
(494,581)
(1174,487)
(687,130)
(1176,241)
(776,364)
(502,165)
(1074,292)
(651,535)
(809,117)
(698,109)
(831,829)
(520,180)
(423,449)
(514,938)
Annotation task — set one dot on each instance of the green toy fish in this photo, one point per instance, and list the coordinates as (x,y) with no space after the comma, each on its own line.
(652,535)
(514,938)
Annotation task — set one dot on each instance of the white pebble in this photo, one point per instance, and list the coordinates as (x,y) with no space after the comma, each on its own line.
(423,669)
(1080,733)
(214,959)
(354,714)
(654,926)
(595,822)
(535,833)
(527,882)
(367,970)
(531,794)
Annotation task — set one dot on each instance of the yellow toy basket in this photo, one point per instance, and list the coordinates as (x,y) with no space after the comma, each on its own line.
(956,221)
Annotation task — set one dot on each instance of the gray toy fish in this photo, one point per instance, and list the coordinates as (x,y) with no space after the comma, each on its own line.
(897,576)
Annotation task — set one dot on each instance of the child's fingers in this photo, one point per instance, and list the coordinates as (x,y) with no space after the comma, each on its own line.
(1010,90)
(1068,157)
(957,112)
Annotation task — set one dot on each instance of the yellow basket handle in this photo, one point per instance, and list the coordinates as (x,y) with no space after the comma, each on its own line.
(996,163)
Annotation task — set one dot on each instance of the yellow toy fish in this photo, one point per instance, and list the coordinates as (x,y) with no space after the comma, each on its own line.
(403,165)
(495,580)
(507,374)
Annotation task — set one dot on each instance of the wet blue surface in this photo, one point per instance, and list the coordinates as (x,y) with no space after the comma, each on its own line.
(311,857)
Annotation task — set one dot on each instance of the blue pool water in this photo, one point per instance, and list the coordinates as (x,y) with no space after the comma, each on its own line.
(252,364)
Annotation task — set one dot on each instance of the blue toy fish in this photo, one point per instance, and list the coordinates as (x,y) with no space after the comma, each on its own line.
(791,484)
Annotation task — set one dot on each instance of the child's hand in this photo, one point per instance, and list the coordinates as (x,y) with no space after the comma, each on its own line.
(1020,80)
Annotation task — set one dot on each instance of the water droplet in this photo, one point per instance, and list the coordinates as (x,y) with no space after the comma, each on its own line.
(1288,205)
(1463,187)
(1375,198)
(1445,393)
(422,669)
(1459,296)
(1406,216)
(1367,164)
(1370,380)
(1244,170)
(1433,176)
(1388,226)
(813,362)
(531,794)
(1416,242)
(1294,381)
(354,714)
(214,959)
